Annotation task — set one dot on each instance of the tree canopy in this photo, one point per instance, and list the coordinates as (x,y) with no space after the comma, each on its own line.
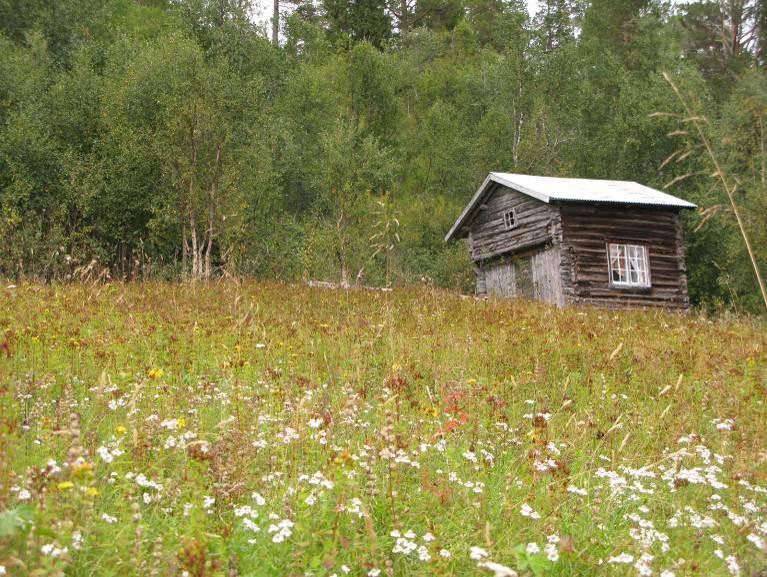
(171,138)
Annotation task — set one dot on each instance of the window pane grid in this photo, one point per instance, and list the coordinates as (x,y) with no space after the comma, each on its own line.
(509,219)
(629,265)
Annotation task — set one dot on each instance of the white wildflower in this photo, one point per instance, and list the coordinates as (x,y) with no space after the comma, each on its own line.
(732,565)
(477,553)
(498,569)
(260,501)
(527,511)
(552,552)
(757,540)
(281,530)
(53,550)
(577,491)
(643,565)
(622,558)
(169,424)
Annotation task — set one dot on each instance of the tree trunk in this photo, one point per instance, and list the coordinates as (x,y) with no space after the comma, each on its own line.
(212,194)
(276,23)
(190,197)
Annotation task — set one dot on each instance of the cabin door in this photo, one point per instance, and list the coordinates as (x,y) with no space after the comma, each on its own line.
(524,279)
(499,280)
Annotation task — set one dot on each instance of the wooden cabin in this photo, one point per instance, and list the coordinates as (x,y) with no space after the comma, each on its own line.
(576,241)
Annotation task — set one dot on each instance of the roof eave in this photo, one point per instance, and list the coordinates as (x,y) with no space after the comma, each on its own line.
(687,205)
(458,224)
(455,230)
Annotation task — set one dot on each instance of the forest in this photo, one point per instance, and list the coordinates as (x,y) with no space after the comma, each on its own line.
(183,139)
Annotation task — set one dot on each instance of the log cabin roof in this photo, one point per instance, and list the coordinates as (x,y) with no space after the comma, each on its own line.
(550,189)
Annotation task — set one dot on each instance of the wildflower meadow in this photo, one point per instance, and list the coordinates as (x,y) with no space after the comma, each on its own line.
(263,429)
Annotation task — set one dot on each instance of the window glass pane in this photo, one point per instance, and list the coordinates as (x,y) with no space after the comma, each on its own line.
(629,265)
(633,263)
(644,279)
(622,263)
(614,266)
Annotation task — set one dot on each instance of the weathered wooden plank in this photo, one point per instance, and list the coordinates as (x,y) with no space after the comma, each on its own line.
(547,276)
(567,245)
(586,234)
(488,234)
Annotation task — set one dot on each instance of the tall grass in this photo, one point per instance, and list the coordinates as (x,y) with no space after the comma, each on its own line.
(266,429)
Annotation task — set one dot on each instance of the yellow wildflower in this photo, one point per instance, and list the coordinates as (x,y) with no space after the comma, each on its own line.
(84,469)
(120,430)
(65,485)
(343,458)
(92,492)
(155,374)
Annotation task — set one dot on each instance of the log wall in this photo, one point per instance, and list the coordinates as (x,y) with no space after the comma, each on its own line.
(567,247)
(488,236)
(586,231)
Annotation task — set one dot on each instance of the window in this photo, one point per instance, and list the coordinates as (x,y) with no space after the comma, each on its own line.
(510,219)
(629,265)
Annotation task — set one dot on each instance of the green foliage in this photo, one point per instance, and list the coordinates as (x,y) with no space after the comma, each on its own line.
(171,138)
(13,521)
(361,20)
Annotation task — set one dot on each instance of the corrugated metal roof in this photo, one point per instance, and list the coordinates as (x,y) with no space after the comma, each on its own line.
(550,189)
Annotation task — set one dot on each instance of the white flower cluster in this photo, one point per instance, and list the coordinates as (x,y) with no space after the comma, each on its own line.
(723,424)
(527,511)
(287,436)
(53,550)
(645,533)
(406,544)
(281,530)
(108,454)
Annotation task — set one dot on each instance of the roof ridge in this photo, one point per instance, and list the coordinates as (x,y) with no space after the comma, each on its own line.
(610,192)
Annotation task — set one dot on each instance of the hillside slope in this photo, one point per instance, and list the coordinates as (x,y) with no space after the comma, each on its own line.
(265,429)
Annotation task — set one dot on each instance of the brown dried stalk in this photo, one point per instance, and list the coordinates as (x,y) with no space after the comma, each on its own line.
(719,172)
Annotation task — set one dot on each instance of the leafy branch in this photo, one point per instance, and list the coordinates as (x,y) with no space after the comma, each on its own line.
(697,122)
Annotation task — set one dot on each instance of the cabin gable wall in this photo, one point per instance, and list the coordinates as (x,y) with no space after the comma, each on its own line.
(488,235)
(523,260)
(586,232)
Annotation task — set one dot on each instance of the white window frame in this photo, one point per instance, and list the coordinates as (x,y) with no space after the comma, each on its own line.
(510,219)
(635,272)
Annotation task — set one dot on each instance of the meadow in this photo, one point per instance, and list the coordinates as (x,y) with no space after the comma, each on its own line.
(265,429)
